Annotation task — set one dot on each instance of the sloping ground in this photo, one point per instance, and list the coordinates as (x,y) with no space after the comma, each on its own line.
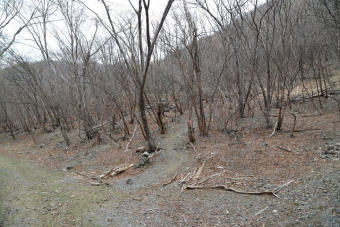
(33,196)
(170,159)
(30,195)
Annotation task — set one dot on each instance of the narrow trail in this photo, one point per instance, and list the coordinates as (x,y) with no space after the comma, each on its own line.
(31,195)
(166,163)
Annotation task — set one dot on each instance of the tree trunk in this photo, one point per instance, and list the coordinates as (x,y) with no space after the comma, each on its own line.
(148,137)
(160,118)
(191,132)
(64,133)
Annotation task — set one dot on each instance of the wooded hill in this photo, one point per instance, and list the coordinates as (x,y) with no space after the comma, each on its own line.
(223,69)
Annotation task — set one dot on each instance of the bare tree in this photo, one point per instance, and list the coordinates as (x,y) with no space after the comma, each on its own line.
(142,55)
(11,12)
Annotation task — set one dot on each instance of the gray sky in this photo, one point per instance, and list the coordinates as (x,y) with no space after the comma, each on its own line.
(118,7)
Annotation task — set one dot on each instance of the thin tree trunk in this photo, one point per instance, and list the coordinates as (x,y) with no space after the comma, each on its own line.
(149,139)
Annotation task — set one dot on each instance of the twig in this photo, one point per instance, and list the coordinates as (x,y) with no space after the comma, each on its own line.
(169,182)
(209,177)
(261,211)
(284,149)
(278,188)
(184,179)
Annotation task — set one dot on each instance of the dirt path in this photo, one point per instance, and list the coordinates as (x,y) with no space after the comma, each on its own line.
(166,163)
(33,196)
(30,195)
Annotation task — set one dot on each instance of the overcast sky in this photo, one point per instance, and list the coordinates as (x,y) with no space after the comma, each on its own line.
(118,7)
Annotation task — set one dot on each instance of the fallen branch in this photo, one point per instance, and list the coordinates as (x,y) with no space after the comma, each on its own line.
(199,171)
(209,177)
(261,211)
(310,129)
(284,149)
(169,182)
(116,170)
(185,179)
(226,188)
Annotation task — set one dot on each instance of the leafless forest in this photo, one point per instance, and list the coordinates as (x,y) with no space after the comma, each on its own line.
(244,60)
(231,69)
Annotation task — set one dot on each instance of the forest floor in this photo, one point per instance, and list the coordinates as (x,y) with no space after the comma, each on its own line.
(44,184)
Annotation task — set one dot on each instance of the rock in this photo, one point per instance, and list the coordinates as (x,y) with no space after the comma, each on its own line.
(330,147)
(69,167)
(330,152)
(42,146)
(143,160)
(129,181)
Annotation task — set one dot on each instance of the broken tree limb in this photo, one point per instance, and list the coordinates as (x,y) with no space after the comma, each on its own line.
(185,179)
(209,177)
(310,129)
(201,168)
(278,188)
(199,171)
(261,211)
(169,182)
(226,188)
(284,149)
(116,170)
